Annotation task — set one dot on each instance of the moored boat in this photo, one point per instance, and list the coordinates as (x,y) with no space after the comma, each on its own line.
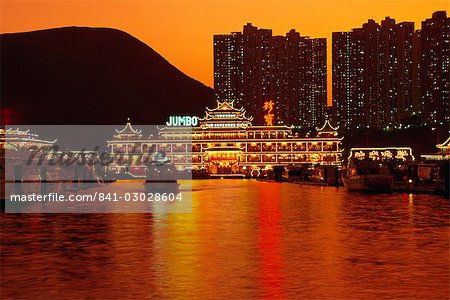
(368,183)
(161,178)
(368,176)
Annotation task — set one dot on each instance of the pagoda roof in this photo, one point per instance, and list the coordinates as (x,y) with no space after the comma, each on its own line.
(327,127)
(17,135)
(17,131)
(225,106)
(128,129)
(445,144)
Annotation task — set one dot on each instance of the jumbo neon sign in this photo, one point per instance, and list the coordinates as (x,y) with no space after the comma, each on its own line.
(182,121)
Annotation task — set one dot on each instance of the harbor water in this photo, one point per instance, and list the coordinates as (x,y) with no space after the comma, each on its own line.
(244,239)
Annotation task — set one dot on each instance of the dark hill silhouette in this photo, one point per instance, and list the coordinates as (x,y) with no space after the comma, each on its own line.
(77,75)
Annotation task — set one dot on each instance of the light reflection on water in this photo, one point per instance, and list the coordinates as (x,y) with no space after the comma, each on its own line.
(244,239)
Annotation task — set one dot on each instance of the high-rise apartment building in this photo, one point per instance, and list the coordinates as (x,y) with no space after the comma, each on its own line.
(285,111)
(373,74)
(318,87)
(348,79)
(228,67)
(254,67)
(383,74)
(402,101)
(435,68)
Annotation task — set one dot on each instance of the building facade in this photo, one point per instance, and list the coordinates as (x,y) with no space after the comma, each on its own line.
(385,73)
(434,73)
(252,67)
(348,79)
(373,74)
(228,67)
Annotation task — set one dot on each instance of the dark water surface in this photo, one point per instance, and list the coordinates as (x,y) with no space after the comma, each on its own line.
(244,239)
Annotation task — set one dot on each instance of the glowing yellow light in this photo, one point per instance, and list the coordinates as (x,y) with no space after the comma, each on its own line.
(268,117)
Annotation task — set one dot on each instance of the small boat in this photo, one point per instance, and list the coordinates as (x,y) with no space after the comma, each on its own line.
(368,183)
(368,176)
(161,178)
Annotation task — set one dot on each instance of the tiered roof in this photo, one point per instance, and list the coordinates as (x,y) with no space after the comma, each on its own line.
(327,130)
(128,132)
(18,138)
(225,115)
(444,147)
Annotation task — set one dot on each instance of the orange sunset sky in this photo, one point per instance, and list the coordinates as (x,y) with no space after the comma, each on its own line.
(182,30)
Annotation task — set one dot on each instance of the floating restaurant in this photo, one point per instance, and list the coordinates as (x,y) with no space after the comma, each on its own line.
(225,142)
